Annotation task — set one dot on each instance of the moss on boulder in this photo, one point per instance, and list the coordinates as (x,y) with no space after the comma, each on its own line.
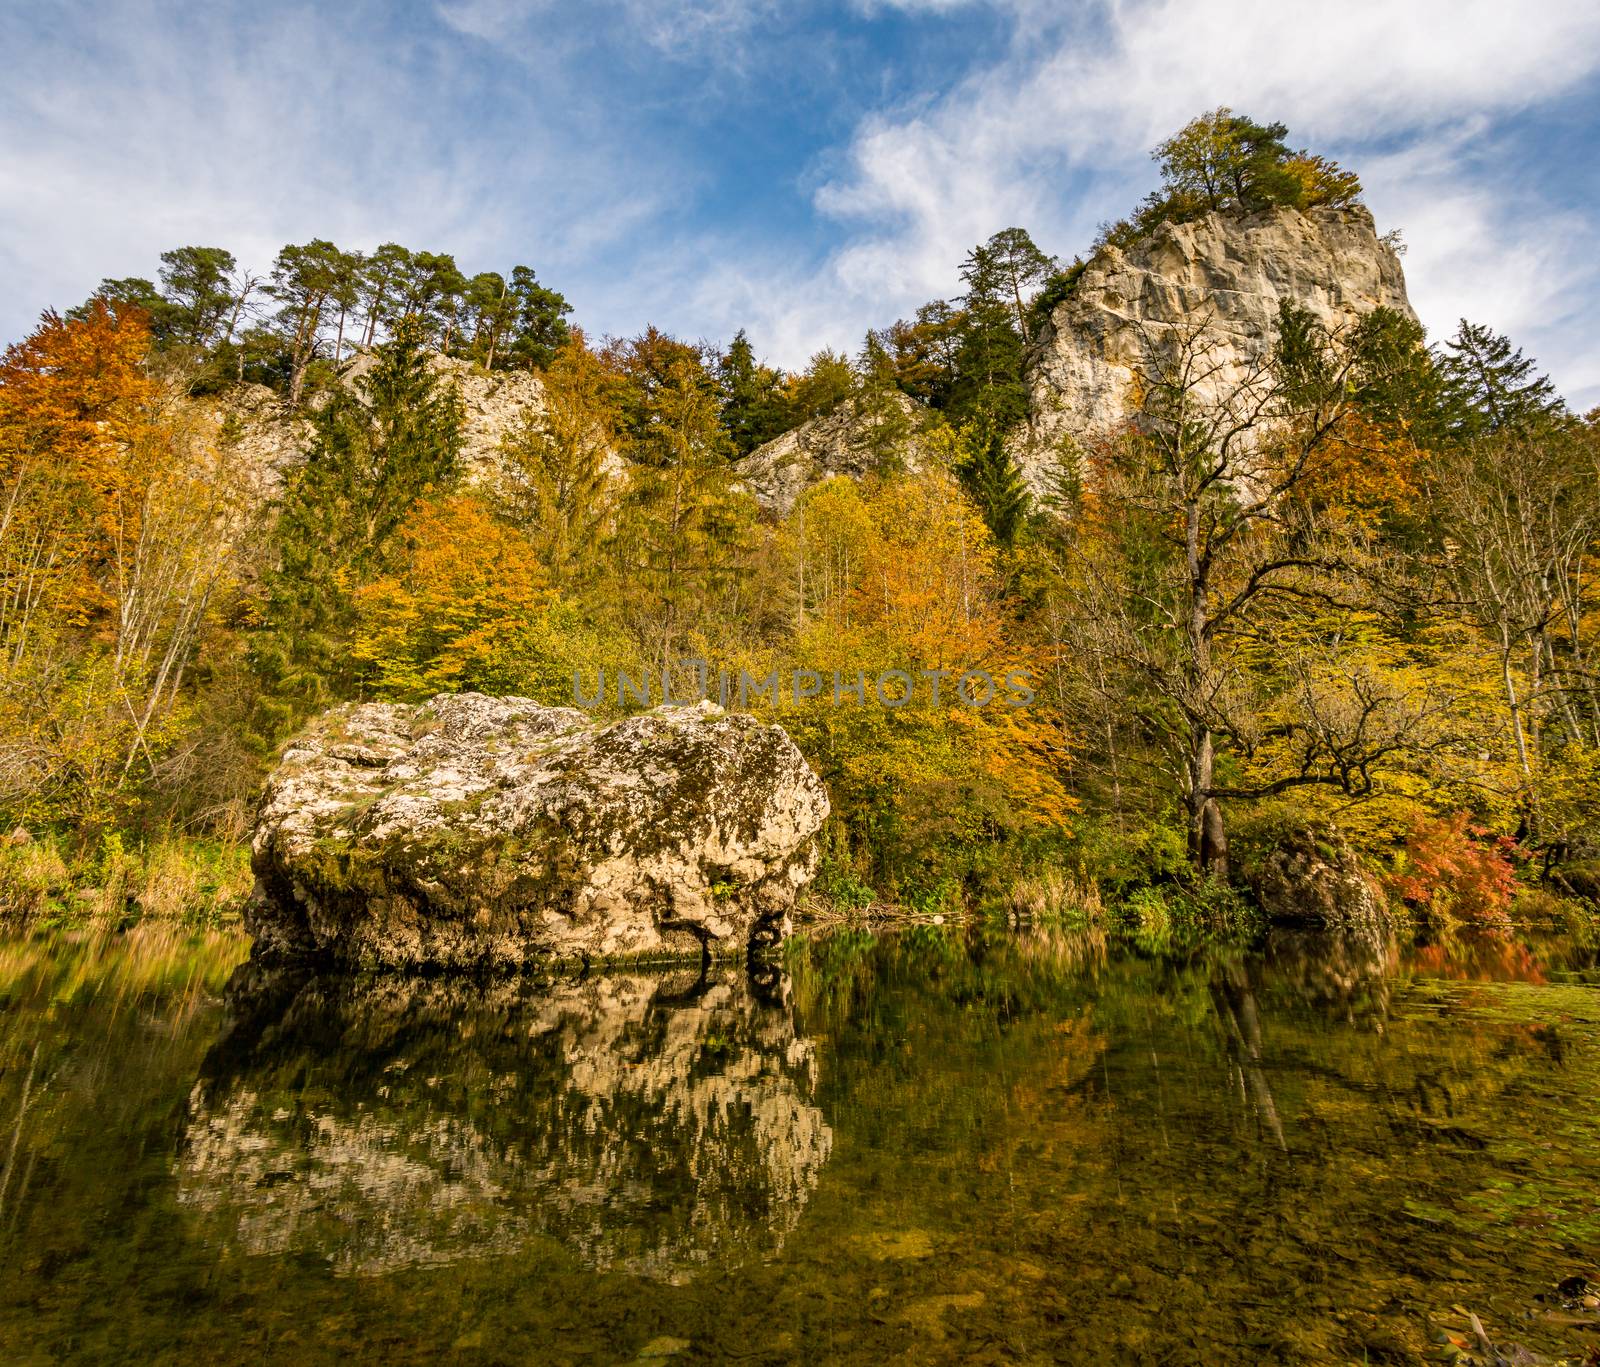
(496,832)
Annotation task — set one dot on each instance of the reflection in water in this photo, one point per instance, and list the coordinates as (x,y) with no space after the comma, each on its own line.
(1040,1148)
(650,1124)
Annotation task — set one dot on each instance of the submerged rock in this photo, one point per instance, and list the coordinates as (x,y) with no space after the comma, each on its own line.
(473,831)
(1314,879)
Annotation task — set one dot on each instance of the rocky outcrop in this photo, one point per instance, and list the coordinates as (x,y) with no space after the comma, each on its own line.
(271,436)
(265,434)
(649,1125)
(496,832)
(1312,878)
(856,439)
(1231,269)
(493,404)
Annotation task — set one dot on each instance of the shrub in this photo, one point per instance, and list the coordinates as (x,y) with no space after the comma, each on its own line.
(1452,870)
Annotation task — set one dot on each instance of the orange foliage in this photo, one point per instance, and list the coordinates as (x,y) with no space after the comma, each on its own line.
(1365,468)
(1457,870)
(78,449)
(470,585)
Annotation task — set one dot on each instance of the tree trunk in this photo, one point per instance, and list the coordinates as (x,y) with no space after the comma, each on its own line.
(1208,840)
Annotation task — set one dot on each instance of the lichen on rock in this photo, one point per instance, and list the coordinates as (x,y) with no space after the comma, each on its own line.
(484,832)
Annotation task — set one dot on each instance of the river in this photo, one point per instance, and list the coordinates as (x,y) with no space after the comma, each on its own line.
(936,1146)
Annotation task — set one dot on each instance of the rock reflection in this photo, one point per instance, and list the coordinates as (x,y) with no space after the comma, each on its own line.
(651,1124)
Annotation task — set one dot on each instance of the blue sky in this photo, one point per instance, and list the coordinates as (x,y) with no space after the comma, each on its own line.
(801,170)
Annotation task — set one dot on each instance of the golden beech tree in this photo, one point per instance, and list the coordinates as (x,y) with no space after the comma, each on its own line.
(451,617)
(902,576)
(554,482)
(119,529)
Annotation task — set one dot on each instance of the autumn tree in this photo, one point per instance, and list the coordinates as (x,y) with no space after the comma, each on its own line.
(1225,596)
(376,448)
(1517,514)
(554,482)
(1222,159)
(681,527)
(119,527)
(925,352)
(902,576)
(444,618)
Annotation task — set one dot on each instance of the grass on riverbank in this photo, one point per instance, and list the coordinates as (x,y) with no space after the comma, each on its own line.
(47,884)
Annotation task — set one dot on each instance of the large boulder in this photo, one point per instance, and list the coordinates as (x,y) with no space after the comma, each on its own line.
(1313,879)
(472,831)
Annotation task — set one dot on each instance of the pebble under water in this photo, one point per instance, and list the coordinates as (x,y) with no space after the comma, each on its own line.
(924,1148)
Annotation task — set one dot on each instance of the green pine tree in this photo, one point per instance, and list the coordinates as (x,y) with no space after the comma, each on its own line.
(753,407)
(1489,387)
(997,487)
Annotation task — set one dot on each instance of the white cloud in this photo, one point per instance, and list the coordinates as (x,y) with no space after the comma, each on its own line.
(1084,93)
(249,134)
(249,127)
(673,27)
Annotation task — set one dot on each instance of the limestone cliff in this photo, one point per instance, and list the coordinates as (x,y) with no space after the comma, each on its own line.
(1230,268)
(271,436)
(855,439)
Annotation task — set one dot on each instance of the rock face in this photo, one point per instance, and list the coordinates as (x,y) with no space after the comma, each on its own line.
(1315,880)
(1233,268)
(654,1125)
(272,437)
(472,831)
(267,435)
(849,441)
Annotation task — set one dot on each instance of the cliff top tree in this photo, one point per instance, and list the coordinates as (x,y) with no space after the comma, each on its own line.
(1223,160)
(198,285)
(754,409)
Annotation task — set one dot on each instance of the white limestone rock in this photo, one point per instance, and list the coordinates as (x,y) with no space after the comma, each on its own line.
(473,831)
(1231,268)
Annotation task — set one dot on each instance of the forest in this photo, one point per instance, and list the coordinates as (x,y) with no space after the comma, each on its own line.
(1355,590)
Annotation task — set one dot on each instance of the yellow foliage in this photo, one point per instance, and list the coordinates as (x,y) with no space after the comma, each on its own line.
(445,621)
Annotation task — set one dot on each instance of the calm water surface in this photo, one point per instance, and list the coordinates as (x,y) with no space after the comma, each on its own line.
(931,1148)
